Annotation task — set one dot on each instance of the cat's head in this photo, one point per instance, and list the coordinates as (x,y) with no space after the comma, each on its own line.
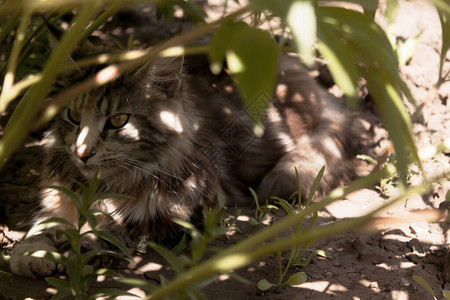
(138,125)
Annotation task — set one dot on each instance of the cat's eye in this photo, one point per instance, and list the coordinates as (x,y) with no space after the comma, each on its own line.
(74,117)
(118,121)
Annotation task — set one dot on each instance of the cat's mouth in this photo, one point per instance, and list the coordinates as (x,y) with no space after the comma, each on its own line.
(86,168)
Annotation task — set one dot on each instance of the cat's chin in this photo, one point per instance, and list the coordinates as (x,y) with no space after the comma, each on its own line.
(88,173)
(104,174)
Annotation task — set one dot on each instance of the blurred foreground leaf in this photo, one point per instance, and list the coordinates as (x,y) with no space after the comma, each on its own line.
(252,58)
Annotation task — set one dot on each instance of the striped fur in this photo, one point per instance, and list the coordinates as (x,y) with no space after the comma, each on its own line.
(187,138)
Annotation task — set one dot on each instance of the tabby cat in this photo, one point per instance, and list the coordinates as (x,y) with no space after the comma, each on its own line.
(172,136)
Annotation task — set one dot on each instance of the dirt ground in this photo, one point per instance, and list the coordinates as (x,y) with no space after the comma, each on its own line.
(359,266)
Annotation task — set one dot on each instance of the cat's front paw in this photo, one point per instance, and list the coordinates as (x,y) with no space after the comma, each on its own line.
(30,266)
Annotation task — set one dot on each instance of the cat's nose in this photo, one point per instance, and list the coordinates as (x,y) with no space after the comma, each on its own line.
(84,156)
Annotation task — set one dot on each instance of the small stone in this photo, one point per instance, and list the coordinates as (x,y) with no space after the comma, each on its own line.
(405,282)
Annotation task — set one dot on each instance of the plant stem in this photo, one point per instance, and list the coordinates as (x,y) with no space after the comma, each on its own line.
(103,18)
(23,116)
(239,255)
(32,110)
(13,61)
(250,249)
(51,108)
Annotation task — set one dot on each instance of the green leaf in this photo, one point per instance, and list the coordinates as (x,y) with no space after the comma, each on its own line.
(314,186)
(367,158)
(297,278)
(74,270)
(72,235)
(107,272)
(50,255)
(198,248)
(444,16)
(303,262)
(446,294)
(62,294)
(87,271)
(51,222)
(340,60)
(222,200)
(255,196)
(264,285)
(91,217)
(134,282)
(369,6)
(193,11)
(299,188)
(182,245)
(109,237)
(322,253)
(194,295)
(396,119)
(390,13)
(252,221)
(87,256)
(252,58)
(286,206)
(360,44)
(377,63)
(195,233)
(64,290)
(58,283)
(239,278)
(165,9)
(301,18)
(110,292)
(175,262)
(406,50)
(425,284)
(89,193)
(75,199)
(210,219)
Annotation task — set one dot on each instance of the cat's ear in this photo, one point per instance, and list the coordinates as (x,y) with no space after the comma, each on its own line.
(84,49)
(165,74)
(53,37)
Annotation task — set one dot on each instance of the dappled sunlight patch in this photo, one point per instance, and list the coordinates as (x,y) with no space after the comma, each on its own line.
(172,52)
(373,285)
(107,74)
(407,265)
(322,287)
(130,131)
(337,193)
(135,262)
(150,267)
(400,295)
(385,266)
(171,120)
(261,264)
(140,294)
(133,54)
(355,204)
(50,290)
(243,218)
(224,277)
(81,139)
